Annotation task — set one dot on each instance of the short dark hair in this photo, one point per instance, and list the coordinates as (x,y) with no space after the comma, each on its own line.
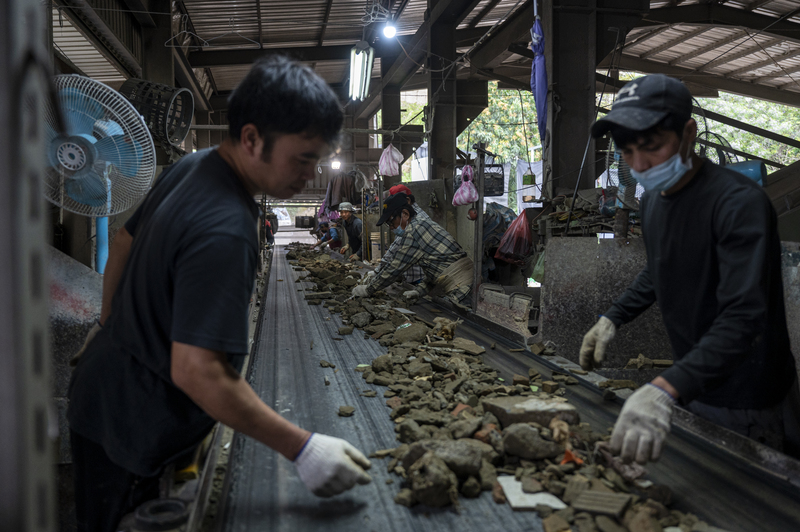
(281,96)
(623,136)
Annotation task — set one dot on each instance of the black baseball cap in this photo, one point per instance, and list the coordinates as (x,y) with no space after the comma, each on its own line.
(391,205)
(644,102)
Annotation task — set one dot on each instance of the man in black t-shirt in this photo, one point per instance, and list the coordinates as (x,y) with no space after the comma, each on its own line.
(714,266)
(164,362)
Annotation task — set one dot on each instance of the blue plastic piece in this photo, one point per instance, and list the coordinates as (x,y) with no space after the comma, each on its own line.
(755,170)
(101,227)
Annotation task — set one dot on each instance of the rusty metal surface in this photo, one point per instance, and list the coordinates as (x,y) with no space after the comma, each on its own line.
(583,277)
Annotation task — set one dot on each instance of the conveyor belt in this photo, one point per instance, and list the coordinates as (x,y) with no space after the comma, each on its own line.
(264,492)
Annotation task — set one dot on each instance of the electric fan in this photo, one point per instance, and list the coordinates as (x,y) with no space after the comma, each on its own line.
(105,161)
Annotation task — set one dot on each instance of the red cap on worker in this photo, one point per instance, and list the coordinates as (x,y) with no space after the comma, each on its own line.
(400,188)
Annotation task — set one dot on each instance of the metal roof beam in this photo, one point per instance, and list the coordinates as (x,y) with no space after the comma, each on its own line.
(725,58)
(208,59)
(407,64)
(647,36)
(677,40)
(744,126)
(483,12)
(139,12)
(628,62)
(325,19)
(756,4)
(516,26)
(723,16)
(738,34)
(772,60)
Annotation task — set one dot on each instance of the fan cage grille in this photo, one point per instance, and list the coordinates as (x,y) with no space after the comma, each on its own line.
(125,190)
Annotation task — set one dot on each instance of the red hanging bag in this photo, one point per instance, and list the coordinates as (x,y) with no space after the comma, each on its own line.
(517,242)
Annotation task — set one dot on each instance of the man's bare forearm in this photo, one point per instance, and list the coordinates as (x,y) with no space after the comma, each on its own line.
(213,384)
(117,258)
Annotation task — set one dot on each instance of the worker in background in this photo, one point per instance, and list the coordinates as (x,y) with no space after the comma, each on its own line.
(164,362)
(268,233)
(714,267)
(329,236)
(446,267)
(414,275)
(353,227)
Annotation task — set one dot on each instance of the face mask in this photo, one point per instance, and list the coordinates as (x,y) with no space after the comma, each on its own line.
(399,231)
(664,176)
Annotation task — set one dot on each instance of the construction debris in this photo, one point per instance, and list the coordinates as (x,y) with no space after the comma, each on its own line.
(462,430)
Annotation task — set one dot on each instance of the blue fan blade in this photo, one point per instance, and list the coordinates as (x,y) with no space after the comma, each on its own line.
(122,152)
(88,188)
(106,128)
(80,111)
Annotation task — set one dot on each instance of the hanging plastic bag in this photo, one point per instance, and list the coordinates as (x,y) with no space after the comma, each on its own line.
(466,193)
(389,163)
(517,242)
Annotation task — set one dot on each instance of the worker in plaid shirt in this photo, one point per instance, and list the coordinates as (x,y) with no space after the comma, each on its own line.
(445,265)
(413,275)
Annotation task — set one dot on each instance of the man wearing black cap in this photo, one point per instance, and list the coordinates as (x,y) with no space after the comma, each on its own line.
(713,265)
(446,267)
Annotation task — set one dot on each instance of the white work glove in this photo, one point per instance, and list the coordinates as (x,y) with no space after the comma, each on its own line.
(359,290)
(593,349)
(643,425)
(353,257)
(344,250)
(328,466)
(89,337)
(411,295)
(368,277)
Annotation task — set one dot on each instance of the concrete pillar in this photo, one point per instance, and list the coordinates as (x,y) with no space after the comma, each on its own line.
(570,52)
(390,100)
(157,60)
(203,135)
(442,98)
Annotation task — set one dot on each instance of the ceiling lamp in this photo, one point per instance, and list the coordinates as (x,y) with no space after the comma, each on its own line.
(389,31)
(336,164)
(361,57)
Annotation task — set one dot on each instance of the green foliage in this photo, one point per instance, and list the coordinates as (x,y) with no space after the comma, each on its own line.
(774,117)
(507,125)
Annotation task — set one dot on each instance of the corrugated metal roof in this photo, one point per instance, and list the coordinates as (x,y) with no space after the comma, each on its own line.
(73,45)
(729,51)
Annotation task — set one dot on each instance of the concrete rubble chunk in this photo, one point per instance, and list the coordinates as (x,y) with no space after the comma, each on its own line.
(432,482)
(584,522)
(498,495)
(607,524)
(463,457)
(554,523)
(409,432)
(418,368)
(597,502)
(487,475)
(524,441)
(361,320)
(520,379)
(346,411)
(405,497)
(465,428)
(520,409)
(415,332)
(576,485)
(550,386)
(382,363)
(530,484)
(617,384)
(469,347)
(326,364)
(318,295)
(641,521)
(347,329)
(471,488)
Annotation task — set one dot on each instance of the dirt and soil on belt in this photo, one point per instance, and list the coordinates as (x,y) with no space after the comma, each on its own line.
(460,426)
